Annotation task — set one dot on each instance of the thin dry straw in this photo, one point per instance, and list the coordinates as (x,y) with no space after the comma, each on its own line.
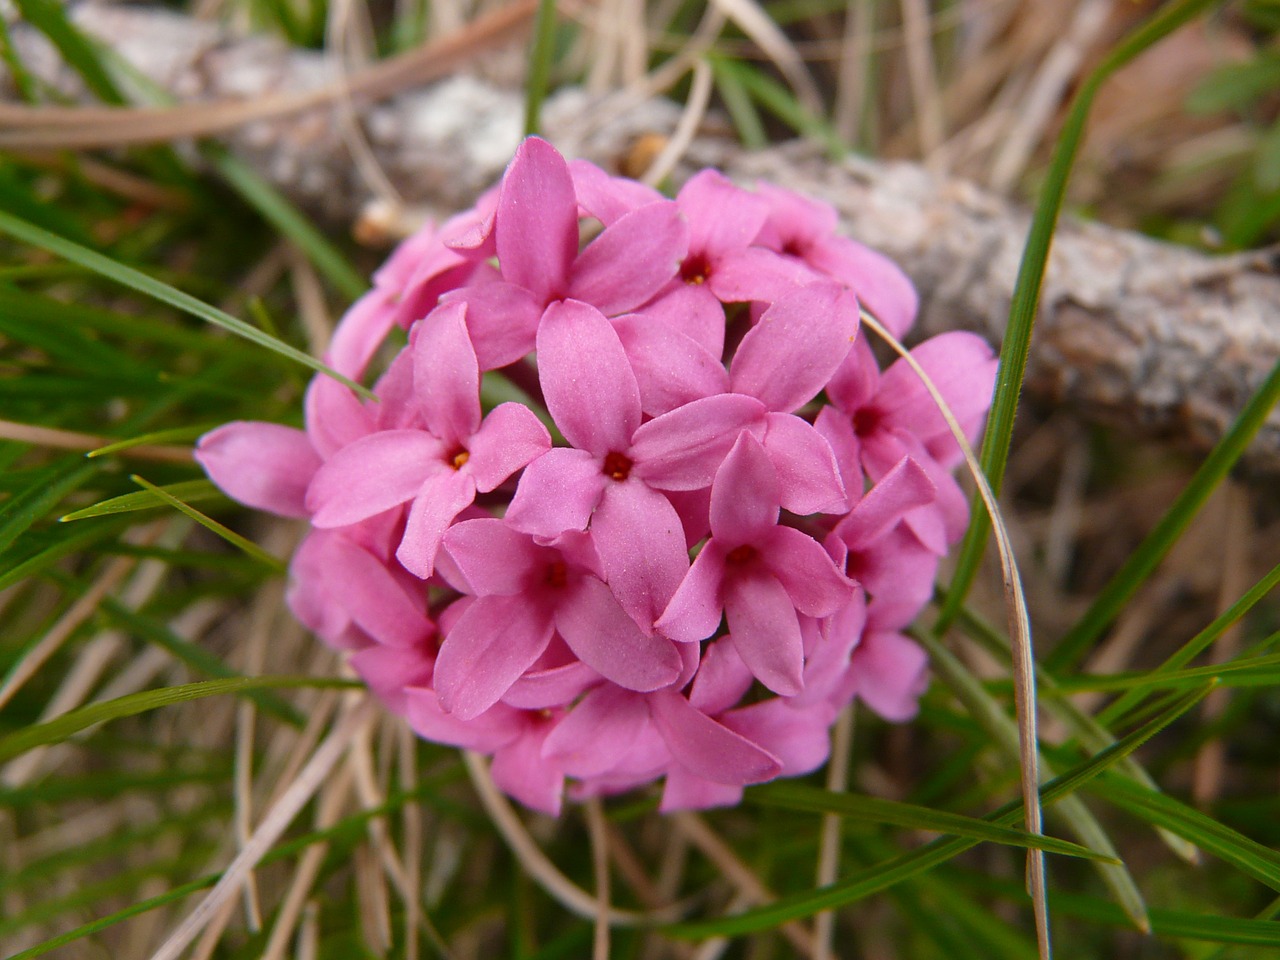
(310,779)
(1024,681)
(536,863)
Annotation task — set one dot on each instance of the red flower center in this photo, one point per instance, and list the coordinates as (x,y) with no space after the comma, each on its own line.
(458,458)
(865,421)
(740,555)
(695,269)
(617,466)
(557,574)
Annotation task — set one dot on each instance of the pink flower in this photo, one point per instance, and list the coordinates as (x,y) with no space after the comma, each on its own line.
(758,574)
(701,365)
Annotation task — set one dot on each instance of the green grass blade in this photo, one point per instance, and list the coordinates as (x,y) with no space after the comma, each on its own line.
(45,556)
(1003,731)
(49,16)
(779,101)
(743,113)
(127,276)
(153,438)
(541,59)
(69,724)
(1200,642)
(233,538)
(195,656)
(1248,856)
(884,875)
(796,796)
(19,512)
(286,218)
(1152,550)
(188,491)
(1026,292)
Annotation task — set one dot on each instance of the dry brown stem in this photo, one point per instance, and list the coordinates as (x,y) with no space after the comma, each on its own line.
(1161,339)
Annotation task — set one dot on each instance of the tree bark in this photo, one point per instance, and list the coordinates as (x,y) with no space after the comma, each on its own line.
(1160,339)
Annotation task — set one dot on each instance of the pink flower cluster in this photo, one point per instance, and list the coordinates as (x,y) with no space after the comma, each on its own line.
(516,577)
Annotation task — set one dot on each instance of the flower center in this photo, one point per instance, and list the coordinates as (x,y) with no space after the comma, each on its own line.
(866,421)
(459,458)
(740,555)
(695,269)
(617,466)
(557,574)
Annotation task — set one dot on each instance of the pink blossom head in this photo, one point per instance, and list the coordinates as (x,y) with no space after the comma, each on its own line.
(640,508)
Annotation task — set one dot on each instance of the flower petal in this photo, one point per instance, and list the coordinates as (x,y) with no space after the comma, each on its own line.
(640,541)
(493,557)
(335,416)
(890,673)
(671,367)
(765,631)
(631,260)
(607,198)
(683,790)
(605,638)
(388,670)
(483,654)
(757,274)
(597,733)
(537,220)
(903,488)
(801,739)
(446,377)
(262,465)
(519,769)
(722,680)
(705,747)
(722,216)
(695,610)
(586,378)
(376,473)
(363,586)
(557,492)
(555,687)
(494,728)
(878,282)
(808,475)
(510,437)
(799,342)
(442,497)
(745,495)
(813,584)
(693,310)
(683,449)
(502,321)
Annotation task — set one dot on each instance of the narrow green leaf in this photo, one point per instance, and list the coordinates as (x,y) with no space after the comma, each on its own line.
(49,16)
(195,656)
(188,491)
(62,546)
(1248,856)
(1026,293)
(1200,642)
(1237,85)
(150,439)
(1004,734)
(1266,161)
(286,218)
(1144,559)
(796,796)
(779,101)
(541,60)
(127,276)
(884,875)
(233,538)
(743,113)
(19,512)
(69,724)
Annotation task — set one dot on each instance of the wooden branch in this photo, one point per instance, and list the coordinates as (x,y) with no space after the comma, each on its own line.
(1160,339)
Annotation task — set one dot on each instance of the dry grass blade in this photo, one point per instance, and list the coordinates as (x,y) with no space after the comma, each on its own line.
(310,779)
(536,864)
(695,109)
(768,36)
(95,127)
(599,834)
(824,924)
(1024,678)
(73,440)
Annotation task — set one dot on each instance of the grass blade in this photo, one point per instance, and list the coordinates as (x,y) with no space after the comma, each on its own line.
(188,491)
(884,875)
(795,796)
(541,59)
(1026,292)
(69,724)
(127,276)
